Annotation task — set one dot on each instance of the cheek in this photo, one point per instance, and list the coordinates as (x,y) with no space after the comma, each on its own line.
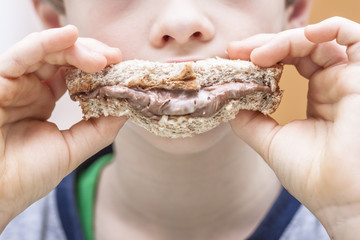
(129,33)
(130,40)
(270,21)
(241,23)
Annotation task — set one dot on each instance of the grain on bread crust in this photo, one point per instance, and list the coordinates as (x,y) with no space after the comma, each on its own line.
(171,76)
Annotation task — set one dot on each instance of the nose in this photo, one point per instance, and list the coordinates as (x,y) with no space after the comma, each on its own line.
(181,21)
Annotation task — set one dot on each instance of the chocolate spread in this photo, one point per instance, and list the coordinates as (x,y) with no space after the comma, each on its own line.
(154,103)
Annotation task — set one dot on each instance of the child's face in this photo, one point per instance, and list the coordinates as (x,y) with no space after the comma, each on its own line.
(175,30)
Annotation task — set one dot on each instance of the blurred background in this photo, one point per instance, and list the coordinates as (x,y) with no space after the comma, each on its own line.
(17,19)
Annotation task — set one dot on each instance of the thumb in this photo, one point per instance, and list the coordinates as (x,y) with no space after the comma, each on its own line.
(257,130)
(86,138)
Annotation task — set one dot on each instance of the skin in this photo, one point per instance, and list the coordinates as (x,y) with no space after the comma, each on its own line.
(30,86)
(324,176)
(162,189)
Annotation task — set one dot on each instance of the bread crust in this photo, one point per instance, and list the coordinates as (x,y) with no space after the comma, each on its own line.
(173,76)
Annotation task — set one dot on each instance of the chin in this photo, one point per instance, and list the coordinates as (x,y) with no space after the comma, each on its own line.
(179,146)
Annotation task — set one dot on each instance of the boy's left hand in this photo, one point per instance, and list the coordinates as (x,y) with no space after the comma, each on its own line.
(317,159)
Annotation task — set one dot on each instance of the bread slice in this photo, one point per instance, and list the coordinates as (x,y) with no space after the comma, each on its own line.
(185,76)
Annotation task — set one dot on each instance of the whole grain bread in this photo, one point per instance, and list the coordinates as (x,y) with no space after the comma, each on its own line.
(174,76)
(171,76)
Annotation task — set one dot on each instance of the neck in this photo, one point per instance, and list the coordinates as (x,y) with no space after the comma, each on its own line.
(225,189)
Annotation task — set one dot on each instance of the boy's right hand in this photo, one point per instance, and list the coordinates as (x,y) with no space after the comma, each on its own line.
(34,154)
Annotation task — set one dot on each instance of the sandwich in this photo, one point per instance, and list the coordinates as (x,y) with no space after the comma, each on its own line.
(176,99)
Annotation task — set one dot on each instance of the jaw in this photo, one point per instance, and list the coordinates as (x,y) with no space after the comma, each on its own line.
(176,146)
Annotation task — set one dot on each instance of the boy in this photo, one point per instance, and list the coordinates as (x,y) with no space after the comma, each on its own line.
(211,186)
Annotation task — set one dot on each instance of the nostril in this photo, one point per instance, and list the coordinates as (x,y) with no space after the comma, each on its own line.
(197,34)
(166,38)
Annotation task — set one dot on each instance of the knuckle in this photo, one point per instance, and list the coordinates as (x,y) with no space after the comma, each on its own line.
(353,51)
(11,90)
(7,92)
(59,58)
(33,36)
(337,19)
(36,42)
(19,63)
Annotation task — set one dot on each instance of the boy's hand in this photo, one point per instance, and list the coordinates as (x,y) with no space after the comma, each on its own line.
(34,155)
(317,159)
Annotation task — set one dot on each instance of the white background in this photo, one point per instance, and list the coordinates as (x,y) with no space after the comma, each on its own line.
(18,19)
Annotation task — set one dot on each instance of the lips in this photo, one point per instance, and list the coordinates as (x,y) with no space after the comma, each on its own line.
(193,58)
(179,60)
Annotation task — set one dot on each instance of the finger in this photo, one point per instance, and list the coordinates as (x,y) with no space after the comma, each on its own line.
(242,49)
(112,55)
(28,99)
(14,93)
(56,47)
(322,56)
(291,43)
(46,71)
(346,32)
(90,58)
(79,57)
(256,130)
(39,110)
(88,137)
(57,84)
(328,54)
(329,87)
(29,52)
(293,47)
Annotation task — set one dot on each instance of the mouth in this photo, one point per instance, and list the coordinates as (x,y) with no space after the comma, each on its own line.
(194,58)
(185,59)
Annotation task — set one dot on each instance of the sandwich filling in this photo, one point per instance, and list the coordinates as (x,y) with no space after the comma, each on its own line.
(155,103)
